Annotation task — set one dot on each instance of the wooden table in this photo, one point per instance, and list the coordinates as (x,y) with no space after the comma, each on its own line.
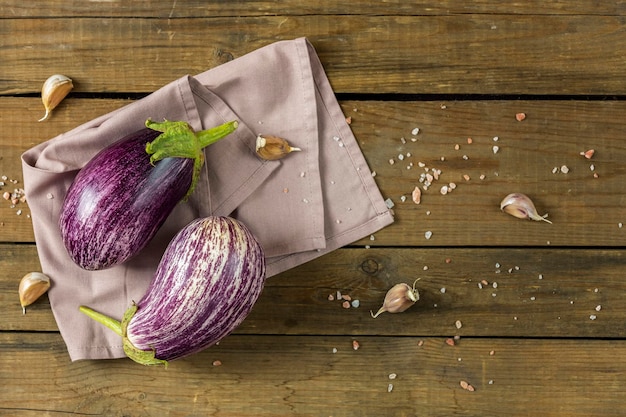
(545,335)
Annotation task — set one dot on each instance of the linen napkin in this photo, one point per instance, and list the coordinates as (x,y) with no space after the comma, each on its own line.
(299,207)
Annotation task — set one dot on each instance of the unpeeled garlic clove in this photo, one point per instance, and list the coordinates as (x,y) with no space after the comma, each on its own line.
(54,91)
(399,298)
(272,147)
(521,206)
(32,286)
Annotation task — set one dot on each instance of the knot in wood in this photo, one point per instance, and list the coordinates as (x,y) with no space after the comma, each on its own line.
(369,266)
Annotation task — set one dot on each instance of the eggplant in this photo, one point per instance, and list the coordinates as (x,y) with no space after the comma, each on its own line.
(206,283)
(123,195)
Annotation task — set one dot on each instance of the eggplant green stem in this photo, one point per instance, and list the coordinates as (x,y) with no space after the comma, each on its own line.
(179,140)
(144,357)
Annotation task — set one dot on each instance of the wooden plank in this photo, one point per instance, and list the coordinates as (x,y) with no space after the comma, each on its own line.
(456,54)
(540,293)
(199,8)
(553,134)
(284,375)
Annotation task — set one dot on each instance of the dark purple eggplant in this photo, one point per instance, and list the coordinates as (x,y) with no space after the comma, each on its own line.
(124,194)
(208,280)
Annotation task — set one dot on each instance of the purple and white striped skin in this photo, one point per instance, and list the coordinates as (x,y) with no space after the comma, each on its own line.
(119,200)
(208,280)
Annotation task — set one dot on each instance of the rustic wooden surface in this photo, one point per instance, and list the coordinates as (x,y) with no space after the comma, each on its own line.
(456,71)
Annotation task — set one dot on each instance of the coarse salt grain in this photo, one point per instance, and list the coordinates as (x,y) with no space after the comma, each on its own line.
(443,290)
(355,303)
(495,149)
(588,154)
(428,234)
(416,195)
(593,317)
(393,376)
(564,169)
(415,131)
(458,324)
(598,307)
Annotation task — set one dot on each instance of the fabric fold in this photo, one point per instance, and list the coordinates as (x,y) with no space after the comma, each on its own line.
(299,207)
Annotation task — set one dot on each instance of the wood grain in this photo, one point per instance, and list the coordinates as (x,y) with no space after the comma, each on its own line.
(451,54)
(199,8)
(553,134)
(292,375)
(538,293)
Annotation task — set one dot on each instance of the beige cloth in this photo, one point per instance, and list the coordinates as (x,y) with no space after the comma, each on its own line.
(300,207)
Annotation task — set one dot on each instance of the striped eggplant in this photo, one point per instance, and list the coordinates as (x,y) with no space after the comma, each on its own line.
(208,280)
(124,194)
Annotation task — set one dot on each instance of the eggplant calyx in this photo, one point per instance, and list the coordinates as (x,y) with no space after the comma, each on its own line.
(179,140)
(144,357)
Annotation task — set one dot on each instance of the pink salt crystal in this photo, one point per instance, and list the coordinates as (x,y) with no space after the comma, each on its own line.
(588,154)
(416,195)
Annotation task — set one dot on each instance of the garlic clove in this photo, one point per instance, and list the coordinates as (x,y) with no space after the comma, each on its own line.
(54,90)
(398,299)
(272,147)
(521,206)
(32,286)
